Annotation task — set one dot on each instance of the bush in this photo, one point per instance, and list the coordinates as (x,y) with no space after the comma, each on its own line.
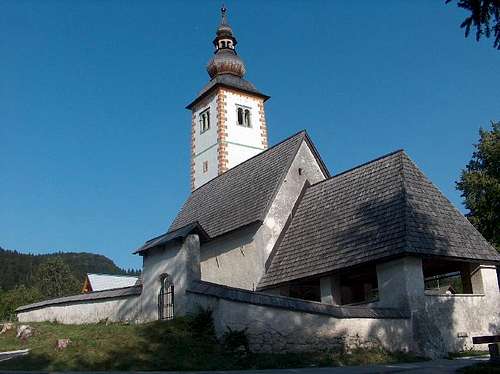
(235,340)
(202,323)
(12,299)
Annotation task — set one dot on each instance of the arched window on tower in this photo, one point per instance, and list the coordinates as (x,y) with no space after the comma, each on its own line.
(240,116)
(204,118)
(247,118)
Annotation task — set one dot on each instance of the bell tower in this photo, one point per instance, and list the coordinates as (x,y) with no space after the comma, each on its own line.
(228,118)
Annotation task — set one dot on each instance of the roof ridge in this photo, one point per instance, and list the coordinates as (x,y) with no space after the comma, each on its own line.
(301,132)
(114,275)
(401,150)
(405,201)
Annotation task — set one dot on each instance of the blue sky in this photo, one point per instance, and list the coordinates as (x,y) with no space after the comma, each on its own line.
(94,135)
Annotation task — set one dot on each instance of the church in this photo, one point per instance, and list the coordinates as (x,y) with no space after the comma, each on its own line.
(271,242)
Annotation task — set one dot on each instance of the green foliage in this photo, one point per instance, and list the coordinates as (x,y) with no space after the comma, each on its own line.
(484,16)
(54,279)
(202,323)
(18,268)
(12,299)
(235,340)
(159,346)
(480,185)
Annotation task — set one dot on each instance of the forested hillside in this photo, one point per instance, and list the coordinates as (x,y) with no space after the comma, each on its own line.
(18,268)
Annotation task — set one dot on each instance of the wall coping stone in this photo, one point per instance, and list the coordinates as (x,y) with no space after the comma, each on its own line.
(456,295)
(283,302)
(90,296)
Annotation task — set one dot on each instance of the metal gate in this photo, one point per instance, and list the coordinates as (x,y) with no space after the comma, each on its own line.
(166,298)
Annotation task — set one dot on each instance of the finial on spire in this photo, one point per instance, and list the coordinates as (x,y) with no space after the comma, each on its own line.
(223,11)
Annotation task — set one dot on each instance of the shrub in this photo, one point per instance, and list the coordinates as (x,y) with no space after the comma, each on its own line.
(235,340)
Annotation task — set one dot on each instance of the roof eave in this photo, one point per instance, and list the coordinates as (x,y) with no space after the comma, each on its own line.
(218,85)
(195,228)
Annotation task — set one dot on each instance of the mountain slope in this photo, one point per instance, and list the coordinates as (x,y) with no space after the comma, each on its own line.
(17,268)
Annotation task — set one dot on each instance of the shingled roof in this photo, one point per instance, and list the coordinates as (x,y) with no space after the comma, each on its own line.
(230,81)
(381,209)
(243,194)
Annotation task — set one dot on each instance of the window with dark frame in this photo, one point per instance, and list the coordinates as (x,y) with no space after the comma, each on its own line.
(243,116)
(204,118)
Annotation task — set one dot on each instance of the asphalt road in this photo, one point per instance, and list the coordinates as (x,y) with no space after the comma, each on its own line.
(427,367)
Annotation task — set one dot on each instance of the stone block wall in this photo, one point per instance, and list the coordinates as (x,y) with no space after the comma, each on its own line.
(280,324)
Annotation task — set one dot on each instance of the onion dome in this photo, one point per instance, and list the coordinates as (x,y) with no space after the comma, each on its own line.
(225,60)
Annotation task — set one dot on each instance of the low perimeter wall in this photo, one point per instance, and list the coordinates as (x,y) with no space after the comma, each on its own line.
(117,305)
(281,324)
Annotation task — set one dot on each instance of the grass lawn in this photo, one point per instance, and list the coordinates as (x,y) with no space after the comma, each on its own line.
(187,343)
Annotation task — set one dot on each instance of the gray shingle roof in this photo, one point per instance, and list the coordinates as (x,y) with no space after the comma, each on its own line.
(227,80)
(384,208)
(242,194)
(282,302)
(179,233)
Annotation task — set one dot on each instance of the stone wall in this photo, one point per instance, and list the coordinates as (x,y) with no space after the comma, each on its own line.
(280,324)
(120,309)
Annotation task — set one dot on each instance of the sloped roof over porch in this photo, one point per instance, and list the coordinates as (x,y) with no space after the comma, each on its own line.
(385,208)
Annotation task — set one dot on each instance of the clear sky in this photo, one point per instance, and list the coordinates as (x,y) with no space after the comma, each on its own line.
(94,135)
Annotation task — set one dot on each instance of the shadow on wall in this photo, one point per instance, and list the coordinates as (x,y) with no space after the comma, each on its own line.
(440,323)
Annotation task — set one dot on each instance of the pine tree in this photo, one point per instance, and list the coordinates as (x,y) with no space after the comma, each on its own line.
(480,185)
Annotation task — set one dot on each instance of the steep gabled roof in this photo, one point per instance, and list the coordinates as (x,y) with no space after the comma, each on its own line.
(381,209)
(243,194)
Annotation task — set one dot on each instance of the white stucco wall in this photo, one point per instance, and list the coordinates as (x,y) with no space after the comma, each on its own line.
(441,323)
(449,322)
(90,311)
(238,259)
(205,145)
(174,259)
(285,200)
(242,142)
(230,259)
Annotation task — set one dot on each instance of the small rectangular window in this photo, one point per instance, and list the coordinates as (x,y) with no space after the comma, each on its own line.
(205,166)
(204,118)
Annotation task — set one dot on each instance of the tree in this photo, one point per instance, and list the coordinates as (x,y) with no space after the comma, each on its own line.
(480,185)
(12,299)
(54,278)
(484,16)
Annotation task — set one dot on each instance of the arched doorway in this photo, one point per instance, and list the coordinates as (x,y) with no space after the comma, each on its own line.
(166,298)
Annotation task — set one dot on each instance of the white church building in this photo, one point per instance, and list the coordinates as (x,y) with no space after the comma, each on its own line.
(270,241)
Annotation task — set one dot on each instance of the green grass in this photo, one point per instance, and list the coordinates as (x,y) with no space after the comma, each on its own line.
(468,353)
(182,344)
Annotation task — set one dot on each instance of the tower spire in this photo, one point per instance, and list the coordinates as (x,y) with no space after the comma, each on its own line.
(226,60)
